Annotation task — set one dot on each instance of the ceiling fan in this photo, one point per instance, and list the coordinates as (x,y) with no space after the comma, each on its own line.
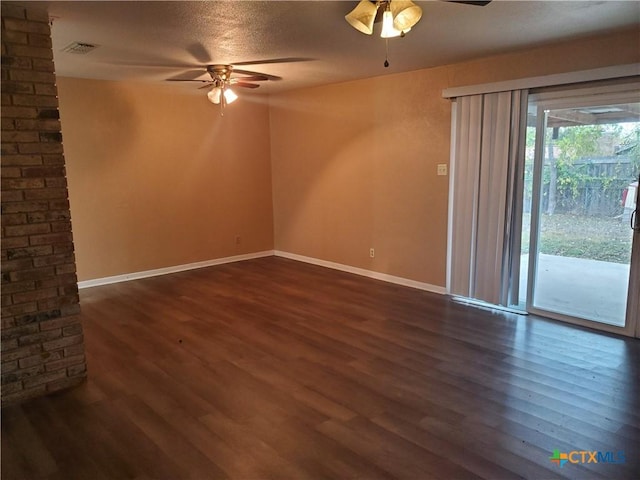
(222,79)
(397,16)
(224,76)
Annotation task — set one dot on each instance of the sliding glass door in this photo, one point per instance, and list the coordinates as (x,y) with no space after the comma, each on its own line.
(580,260)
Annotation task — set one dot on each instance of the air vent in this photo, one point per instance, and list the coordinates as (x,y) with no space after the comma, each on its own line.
(79,48)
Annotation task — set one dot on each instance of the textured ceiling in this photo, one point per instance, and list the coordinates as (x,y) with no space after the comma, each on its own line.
(156,41)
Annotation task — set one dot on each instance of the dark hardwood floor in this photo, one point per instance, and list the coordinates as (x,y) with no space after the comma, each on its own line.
(276,369)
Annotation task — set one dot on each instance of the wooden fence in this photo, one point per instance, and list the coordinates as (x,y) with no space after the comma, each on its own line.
(595,187)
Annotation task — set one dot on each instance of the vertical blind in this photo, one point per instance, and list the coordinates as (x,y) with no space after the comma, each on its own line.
(487,166)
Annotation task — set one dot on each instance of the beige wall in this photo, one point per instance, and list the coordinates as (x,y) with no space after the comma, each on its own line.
(354,165)
(157,178)
(354,168)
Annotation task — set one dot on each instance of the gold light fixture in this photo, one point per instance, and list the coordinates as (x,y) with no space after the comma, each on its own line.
(221,93)
(398,16)
(388,30)
(223,77)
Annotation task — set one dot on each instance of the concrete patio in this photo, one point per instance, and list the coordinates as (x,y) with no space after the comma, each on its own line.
(589,289)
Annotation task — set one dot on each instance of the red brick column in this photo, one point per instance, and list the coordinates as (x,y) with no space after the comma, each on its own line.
(42,342)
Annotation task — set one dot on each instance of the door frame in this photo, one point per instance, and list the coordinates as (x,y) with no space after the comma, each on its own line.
(576,97)
(633,296)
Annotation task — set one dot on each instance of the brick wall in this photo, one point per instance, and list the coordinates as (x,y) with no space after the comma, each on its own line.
(42,342)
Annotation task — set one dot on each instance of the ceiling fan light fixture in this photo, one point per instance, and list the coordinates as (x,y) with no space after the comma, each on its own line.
(388,30)
(398,16)
(229,96)
(214,95)
(405,14)
(362,17)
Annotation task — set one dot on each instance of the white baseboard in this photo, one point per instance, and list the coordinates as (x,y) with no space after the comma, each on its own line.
(268,253)
(175,269)
(365,273)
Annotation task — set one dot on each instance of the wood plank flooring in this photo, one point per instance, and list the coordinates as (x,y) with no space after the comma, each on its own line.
(275,369)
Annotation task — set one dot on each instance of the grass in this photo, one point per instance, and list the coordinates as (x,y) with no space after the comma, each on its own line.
(595,238)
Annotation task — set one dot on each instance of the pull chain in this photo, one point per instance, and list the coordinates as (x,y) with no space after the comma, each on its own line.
(386,56)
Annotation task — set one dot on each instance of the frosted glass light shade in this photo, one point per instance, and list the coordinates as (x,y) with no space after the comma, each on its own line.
(230,96)
(405,14)
(388,31)
(214,95)
(361,18)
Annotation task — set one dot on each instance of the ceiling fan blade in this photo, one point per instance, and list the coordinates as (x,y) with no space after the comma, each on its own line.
(245,85)
(275,60)
(249,72)
(189,75)
(207,83)
(185,80)
(199,52)
(477,3)
(252,78)
(158,65)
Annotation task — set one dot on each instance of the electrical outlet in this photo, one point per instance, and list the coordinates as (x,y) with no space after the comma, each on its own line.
(238,240)
(372,252)
(442,169)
